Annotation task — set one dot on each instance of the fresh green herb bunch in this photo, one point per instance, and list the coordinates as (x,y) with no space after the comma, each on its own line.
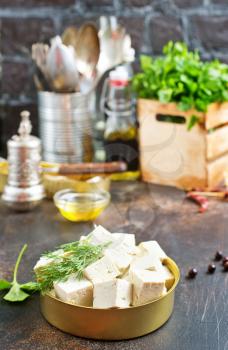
(71,258)
(180,76)
(16,291)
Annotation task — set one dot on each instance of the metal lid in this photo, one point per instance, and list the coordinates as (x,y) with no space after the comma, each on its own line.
(24,137)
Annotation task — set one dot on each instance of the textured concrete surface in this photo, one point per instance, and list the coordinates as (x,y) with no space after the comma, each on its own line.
(199,320)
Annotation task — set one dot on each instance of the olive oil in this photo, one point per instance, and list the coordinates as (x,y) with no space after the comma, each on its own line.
(81,206)
(123,147)
(120,135)
(68,212)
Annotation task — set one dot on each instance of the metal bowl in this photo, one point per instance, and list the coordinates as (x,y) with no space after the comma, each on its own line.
(111,324)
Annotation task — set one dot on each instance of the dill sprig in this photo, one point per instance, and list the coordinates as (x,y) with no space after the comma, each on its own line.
(72,258)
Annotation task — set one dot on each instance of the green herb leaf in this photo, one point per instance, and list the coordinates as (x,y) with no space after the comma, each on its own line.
(185,104)
(5,284)
(16,291)
(145,62)
(165,95)
(18,262)
(30,287)
(16,294)
(192,122)
(225,95)
(73,259)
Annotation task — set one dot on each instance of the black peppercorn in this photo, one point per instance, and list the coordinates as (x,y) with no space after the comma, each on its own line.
(192,273)
(218,255)
(211,268)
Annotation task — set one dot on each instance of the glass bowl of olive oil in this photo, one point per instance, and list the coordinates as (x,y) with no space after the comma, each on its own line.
(81,206)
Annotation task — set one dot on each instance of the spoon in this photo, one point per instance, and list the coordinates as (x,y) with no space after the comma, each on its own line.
(62,66)
(70,37)
(87,50)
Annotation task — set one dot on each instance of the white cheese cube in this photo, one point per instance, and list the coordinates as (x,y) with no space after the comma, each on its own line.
(101,270)
(166,274)
(128,237)
(138,251)
(152,248)
(117,236)
(121,259)
(44,261)
(125,242)
(73,290)
(126,276)
(146,262)
(100,236)
(112,294)
(147,286)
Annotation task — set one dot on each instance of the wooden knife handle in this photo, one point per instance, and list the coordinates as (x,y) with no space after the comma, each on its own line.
(92,168)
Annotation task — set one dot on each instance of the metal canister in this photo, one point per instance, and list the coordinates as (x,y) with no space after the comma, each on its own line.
(24,189)
(65,126)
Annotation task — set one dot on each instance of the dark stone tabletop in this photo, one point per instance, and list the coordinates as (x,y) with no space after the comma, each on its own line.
(199,320)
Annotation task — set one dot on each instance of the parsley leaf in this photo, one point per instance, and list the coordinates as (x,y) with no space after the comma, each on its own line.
(17,292)
(4,284)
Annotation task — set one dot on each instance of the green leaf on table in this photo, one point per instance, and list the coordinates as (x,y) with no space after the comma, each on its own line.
(5,285)
(16,294)
(30,286)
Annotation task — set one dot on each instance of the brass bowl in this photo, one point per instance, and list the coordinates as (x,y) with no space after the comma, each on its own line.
(55,183)
(111,324)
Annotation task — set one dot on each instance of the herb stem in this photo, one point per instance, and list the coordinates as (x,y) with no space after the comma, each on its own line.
(18,262)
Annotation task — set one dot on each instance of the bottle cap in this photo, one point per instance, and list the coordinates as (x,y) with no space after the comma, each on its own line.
(119,76)
(24,137)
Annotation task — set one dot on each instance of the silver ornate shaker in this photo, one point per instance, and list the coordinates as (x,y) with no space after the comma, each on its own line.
(24,189)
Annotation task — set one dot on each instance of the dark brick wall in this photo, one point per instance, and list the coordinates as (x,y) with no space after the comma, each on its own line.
(203,24)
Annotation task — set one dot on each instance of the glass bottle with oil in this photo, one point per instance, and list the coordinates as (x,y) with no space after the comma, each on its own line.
(120,135)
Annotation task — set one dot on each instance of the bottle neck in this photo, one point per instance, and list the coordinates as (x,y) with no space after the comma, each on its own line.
(119,97)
